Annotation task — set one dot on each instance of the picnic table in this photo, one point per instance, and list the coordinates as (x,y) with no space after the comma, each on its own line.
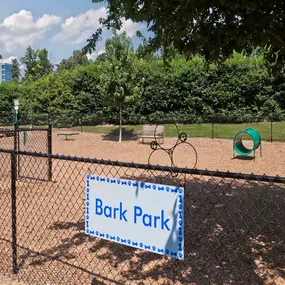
(67,135)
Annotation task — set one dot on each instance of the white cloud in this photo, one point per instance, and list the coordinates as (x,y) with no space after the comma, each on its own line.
(8,60)
(21,30)
(78,29)
(130,27)
(94,55)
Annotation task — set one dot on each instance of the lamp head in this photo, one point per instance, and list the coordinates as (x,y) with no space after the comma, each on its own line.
(16,104)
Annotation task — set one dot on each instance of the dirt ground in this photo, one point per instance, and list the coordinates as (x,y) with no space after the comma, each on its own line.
(10,281)
(212,154)
(227,238)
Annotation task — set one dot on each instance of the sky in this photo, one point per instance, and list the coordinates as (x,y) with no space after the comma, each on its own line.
(61,26)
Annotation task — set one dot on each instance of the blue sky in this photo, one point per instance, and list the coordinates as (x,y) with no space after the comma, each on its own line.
(61,26)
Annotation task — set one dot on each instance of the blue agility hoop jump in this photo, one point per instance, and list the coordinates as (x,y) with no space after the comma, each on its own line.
(240,148)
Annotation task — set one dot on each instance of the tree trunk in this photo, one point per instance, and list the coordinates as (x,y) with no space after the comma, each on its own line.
(120,126)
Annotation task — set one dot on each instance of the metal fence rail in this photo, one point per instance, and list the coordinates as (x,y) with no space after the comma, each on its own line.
(234,226)
(213,124)
(34,139)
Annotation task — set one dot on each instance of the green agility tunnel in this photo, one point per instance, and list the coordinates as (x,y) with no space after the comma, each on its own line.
(240,148)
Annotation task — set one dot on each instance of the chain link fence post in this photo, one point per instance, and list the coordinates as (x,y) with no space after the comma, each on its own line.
(14,211)
(16,144)
(49,139)
(271,129)
(80,122)
(15,136)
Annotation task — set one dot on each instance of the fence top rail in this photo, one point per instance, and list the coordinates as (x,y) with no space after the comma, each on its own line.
(31,129)
(169,169)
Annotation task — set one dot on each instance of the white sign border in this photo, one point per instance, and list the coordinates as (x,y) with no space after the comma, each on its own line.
(125,241)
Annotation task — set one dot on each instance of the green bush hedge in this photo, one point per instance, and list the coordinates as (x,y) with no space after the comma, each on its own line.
(240,89)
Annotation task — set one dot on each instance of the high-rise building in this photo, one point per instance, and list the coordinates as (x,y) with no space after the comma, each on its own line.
(5,72)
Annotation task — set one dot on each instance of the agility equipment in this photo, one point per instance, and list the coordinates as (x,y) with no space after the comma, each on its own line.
(241,149)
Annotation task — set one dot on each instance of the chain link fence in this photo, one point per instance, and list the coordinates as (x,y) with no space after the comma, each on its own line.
(33,138)
(271,127)
(37,139)
(234,226)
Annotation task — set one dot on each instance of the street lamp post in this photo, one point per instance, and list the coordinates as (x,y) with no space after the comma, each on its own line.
(16,107)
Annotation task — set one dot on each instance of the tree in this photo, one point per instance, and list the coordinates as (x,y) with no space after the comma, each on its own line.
(144,51)
(117,76)
(80,58)
(30,60)
(44,65)
(77,58)
(37,64)
(211,28)
(101,58)
(0,56)
(15,70)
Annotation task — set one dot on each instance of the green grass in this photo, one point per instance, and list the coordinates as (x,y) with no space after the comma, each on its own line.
(107,129)
(203,130)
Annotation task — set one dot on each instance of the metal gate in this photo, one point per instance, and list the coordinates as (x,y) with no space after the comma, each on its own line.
(34,140)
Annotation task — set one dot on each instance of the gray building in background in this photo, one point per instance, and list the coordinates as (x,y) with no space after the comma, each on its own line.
(5,72)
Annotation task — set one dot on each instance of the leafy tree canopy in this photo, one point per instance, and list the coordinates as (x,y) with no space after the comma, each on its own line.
(211,28)
(44,64)
(15,70)
(37,64)
(118,74)
(77,58)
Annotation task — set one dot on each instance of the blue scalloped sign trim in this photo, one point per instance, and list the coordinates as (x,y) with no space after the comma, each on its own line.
(138,244)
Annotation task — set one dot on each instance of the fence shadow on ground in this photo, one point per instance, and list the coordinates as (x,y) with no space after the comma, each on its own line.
(234,229)
(127,135)
(234,234)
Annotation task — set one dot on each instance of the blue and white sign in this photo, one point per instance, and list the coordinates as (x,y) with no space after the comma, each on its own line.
(139,214)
